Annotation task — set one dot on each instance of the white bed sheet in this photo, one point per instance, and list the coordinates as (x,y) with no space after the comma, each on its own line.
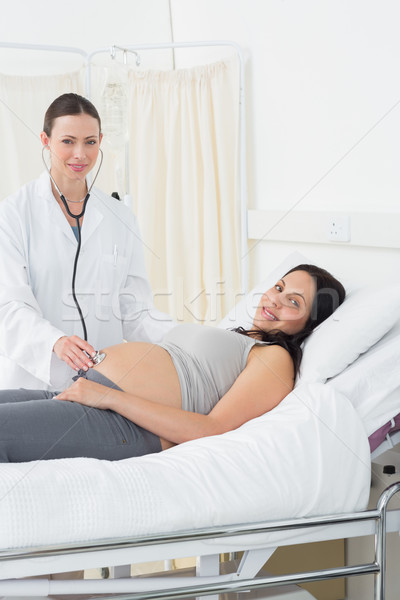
(308,456)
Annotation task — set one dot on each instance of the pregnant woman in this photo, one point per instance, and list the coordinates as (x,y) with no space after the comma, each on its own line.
(199,381)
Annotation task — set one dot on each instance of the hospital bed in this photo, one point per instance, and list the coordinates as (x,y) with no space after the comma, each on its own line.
(297,474)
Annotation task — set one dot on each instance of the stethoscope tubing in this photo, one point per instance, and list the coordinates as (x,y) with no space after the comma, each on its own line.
(77,218)
(73,290)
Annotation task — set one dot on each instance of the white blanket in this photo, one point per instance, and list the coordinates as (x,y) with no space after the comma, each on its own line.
(308,456)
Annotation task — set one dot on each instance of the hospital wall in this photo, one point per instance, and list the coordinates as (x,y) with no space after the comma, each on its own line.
(322,104)
(323,121)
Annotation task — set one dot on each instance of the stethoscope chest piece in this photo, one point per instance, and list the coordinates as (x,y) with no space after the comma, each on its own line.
(98,357)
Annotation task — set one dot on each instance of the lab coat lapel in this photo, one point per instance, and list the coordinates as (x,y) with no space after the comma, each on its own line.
(58,218)
(92,219)
(56,215)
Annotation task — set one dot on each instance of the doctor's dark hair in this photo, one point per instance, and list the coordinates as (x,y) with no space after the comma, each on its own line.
(68,104)
(330,294)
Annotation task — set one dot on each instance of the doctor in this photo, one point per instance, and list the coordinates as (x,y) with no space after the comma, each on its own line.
(45,228)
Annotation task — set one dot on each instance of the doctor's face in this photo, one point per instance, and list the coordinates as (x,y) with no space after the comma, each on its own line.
(287,305)
(74,146)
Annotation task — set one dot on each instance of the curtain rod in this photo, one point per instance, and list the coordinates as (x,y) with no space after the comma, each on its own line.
(47,48)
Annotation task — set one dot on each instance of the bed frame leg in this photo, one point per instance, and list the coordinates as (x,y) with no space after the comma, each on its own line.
(253,561)
(208,566)
(380,541)
(120,572)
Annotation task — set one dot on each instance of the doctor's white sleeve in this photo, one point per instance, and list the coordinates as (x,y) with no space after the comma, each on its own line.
(141,320)
(25,336)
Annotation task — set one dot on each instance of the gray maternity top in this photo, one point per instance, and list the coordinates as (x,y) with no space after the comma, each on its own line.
(208,360)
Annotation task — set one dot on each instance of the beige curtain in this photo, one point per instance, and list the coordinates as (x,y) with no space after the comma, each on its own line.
(23,102)
(184,184)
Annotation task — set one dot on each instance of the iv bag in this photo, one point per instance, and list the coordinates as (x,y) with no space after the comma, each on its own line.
(114,107)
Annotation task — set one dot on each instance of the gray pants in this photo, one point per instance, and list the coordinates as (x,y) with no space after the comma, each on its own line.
(35,426)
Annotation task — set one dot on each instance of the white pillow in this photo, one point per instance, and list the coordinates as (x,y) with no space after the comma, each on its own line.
(243,313)
(372,383)
(363,319)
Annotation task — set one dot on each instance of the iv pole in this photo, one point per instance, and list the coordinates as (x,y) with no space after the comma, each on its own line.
(136,49)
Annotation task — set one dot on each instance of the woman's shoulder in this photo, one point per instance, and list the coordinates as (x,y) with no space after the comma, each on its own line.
(271,349)
(27,191)
(117,210)
(275,355)
(20,201)
(116,205)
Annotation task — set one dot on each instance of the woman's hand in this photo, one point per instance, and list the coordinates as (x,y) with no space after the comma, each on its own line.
(71,350)
(88,393)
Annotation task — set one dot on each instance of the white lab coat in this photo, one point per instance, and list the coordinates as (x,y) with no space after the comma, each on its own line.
(37,250)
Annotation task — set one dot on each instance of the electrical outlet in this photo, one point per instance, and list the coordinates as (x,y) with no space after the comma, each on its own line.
(339,228)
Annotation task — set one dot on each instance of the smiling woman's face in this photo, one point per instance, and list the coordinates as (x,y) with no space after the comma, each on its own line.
(287,305)
(74,144)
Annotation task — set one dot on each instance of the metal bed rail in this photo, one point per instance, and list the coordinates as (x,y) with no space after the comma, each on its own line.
(138,588)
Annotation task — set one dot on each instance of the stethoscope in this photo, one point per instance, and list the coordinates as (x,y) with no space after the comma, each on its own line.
(98,357)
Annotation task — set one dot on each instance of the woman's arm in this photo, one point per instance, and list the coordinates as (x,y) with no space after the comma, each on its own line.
(266,380)
(26,336)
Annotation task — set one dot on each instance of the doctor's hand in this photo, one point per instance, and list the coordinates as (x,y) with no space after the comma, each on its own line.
(70,350)
(88,393)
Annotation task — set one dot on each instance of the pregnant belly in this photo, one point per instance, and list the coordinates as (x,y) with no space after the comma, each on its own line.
(144,370)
